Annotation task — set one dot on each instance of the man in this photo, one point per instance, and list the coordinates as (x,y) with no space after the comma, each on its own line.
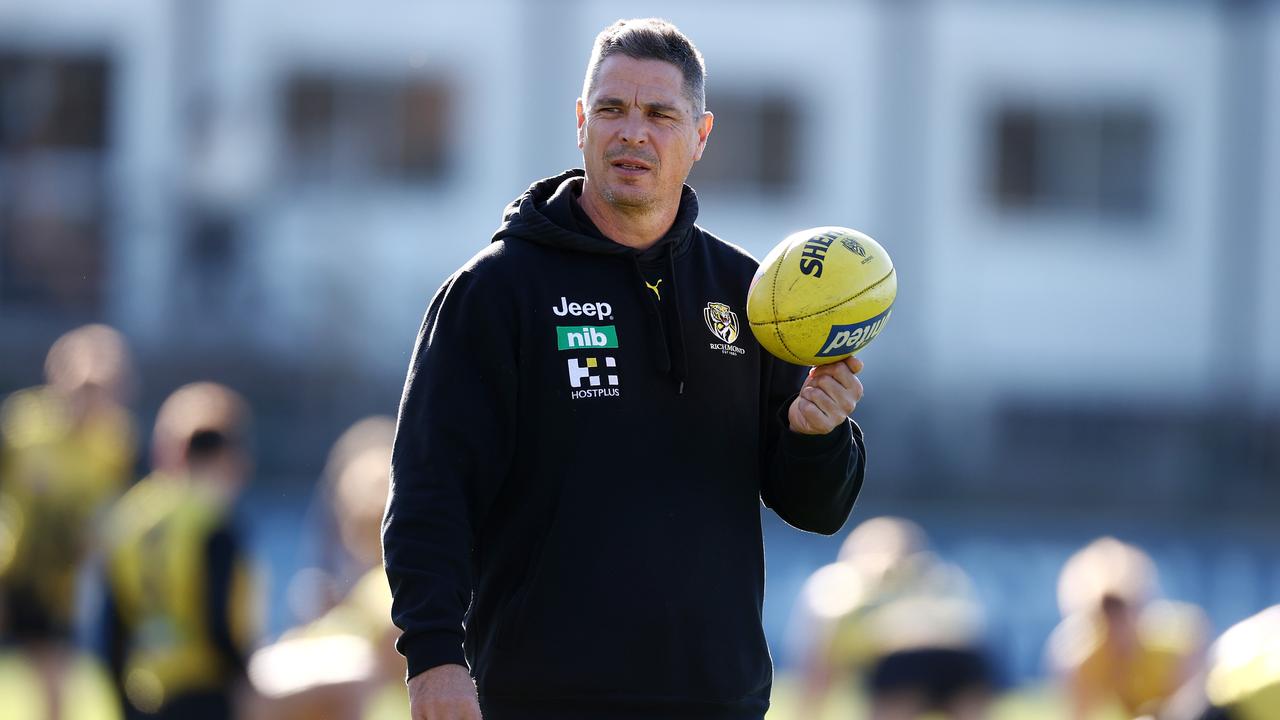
(580,455)
(179,616)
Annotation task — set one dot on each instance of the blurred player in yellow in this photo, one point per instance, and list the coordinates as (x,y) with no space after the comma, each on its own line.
(1120,650)
(66,449)
(1242,678)
(351,498)
(180,612)
(1243,681)
(344,665)
(904,621)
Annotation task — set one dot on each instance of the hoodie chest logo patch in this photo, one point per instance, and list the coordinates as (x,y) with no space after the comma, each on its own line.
(722,321)
(593,377)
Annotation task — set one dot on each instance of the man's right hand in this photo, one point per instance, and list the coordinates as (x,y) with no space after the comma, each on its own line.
(445,692)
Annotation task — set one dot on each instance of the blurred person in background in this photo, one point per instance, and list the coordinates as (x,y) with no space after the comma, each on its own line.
(343,665)
(1241,680)
(67,448)
(1120,649)
(582,453)
(904,623)
(339,552)
(179,611)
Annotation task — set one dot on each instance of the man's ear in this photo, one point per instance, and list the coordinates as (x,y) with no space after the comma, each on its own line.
(582,122)
(704,132)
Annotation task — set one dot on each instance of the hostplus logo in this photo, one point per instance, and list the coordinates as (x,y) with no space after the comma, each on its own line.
(590,375)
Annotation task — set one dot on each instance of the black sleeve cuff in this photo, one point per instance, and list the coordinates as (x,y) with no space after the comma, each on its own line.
(424,651)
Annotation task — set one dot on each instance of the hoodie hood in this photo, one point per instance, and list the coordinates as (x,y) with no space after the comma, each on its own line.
(533,217)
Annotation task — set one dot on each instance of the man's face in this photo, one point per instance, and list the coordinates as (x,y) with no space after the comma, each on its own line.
(638,133)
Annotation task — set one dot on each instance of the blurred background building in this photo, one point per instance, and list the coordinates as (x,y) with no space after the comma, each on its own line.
(1082,199)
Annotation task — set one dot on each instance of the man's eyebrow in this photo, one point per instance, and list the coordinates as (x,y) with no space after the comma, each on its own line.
(663,108)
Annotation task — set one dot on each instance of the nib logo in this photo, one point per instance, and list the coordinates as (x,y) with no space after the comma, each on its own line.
(586,337)
(587,373)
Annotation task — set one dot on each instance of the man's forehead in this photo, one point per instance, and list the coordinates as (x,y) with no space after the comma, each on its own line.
(627,78)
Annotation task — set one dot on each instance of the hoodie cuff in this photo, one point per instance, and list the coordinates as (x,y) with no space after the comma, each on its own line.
(424,651)
(806,446)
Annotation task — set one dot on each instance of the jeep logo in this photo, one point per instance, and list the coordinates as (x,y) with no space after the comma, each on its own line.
(599,310)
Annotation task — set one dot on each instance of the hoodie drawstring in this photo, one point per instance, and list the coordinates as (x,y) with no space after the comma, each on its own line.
(682,358)
(670,360)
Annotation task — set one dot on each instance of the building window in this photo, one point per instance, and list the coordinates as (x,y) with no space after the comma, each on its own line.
(1092,160)
(53,139)
(753,146)
(359,128)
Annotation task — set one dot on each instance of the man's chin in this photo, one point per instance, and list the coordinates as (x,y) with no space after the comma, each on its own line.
(630,199)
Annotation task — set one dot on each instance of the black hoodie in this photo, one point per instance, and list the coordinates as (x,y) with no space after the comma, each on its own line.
(585,437)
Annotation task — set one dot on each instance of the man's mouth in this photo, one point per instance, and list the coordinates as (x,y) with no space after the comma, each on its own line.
(631,166)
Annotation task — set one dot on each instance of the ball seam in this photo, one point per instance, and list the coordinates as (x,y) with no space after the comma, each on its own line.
(815,313)
(773,300)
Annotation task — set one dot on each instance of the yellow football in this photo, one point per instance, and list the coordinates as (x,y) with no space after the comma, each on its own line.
(821,295)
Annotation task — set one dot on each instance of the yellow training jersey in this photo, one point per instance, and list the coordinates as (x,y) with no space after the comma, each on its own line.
(56,474)
(920,603)
(1244,672)
(1139,680)
(158,573)
(84,692)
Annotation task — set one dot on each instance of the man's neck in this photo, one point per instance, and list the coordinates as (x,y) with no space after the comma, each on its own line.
(639,230)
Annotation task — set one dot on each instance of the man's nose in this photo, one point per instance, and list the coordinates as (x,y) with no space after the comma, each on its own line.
(633,129)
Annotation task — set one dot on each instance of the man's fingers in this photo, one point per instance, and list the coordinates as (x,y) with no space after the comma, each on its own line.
(812,415)
(845,388)
(835,399)
(839,392)
(830,394)
(839,370)
(852,391)
(824,398)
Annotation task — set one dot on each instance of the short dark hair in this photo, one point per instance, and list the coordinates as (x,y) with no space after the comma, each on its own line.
(651,39)
(206,444)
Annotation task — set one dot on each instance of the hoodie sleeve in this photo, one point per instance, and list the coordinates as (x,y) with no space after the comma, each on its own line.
(453,445)
(810,481)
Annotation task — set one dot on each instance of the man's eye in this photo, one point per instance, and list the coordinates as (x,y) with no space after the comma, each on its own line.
(660,115)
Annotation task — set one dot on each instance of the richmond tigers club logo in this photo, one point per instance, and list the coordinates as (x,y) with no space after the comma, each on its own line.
(722,321)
